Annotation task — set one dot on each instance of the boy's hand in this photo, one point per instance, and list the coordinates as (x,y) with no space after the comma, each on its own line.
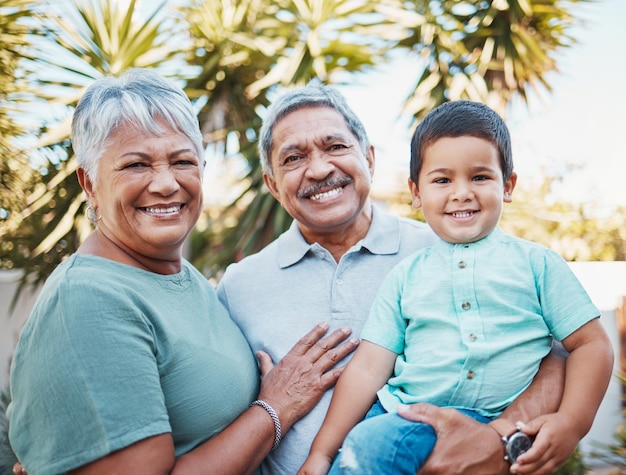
(555,440)
(315,464)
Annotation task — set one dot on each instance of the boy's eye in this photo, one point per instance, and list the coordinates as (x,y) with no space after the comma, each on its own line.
(442,180)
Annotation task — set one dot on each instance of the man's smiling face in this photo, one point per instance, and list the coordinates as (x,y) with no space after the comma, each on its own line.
(320,174)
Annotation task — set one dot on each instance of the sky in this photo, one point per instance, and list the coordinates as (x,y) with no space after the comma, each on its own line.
(581,123)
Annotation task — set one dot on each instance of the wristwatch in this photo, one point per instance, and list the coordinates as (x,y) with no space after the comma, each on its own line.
(515,443)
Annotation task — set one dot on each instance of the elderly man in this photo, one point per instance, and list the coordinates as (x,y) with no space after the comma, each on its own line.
(318,163)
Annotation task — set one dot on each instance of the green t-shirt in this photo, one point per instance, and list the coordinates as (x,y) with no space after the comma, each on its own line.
(112,354)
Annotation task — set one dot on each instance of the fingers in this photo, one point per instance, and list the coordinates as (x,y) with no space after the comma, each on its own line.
(315,347)
(421,412)
(18,469)
(310,339)
(265,362)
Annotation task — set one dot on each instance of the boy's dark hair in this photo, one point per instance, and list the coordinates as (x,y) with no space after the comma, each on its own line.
(457,119)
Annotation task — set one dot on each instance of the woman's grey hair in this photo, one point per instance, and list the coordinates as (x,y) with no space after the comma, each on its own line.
(137,98)
(314,94)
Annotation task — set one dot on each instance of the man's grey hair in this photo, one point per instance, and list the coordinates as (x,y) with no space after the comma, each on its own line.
(314,94)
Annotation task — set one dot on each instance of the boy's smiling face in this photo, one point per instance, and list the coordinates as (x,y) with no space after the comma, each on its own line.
(461,189)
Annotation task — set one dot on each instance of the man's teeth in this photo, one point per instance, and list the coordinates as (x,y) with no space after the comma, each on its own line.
(462,214)
(171,209)
(327,194)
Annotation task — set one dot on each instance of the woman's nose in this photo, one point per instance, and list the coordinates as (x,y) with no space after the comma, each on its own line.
(164,181)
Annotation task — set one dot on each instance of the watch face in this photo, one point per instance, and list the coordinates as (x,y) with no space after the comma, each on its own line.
(518,444)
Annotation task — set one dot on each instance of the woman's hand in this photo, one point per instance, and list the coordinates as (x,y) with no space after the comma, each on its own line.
(295,385)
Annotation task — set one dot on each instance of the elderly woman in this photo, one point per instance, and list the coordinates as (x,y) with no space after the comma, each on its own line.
(128,363)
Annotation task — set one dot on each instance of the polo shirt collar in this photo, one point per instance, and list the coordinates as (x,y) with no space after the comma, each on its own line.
(383,237)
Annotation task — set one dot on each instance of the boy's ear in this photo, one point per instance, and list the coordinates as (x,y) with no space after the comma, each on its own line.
(509,186)
(416,200)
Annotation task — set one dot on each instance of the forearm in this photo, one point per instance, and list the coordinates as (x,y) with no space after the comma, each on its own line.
(353,396)
(588,373)
(238,449)
(544,394)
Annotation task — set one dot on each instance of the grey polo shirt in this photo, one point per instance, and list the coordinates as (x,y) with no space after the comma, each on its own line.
(279,294)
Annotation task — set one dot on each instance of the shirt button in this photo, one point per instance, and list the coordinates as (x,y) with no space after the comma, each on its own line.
(462,265)
(472,337)
(339,281)
(465,306)
(470,374)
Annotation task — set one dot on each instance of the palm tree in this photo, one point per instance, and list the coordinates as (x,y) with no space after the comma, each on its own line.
(83,41)
(234,55)
(14,178)
(244,51)
(483,51)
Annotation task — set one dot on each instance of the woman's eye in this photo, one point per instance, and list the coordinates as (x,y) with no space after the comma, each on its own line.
(185,162)
(135,165)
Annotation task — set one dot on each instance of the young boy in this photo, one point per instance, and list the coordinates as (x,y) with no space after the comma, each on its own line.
(466,322)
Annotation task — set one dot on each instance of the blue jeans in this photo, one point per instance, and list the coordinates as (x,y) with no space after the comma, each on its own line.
(386,443)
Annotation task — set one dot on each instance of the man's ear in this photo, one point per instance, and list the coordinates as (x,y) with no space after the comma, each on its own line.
(370,156)
(270,182)
(416,200)
(509,186)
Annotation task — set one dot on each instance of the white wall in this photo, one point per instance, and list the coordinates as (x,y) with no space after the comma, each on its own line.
(11,323)
(605,282)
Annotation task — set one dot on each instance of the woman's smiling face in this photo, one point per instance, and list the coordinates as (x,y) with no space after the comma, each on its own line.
(148,195)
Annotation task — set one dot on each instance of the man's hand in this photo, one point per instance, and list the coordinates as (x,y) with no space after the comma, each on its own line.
(464,446)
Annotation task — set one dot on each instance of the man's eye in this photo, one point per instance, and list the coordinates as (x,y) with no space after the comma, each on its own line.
(292,158)
(337,148)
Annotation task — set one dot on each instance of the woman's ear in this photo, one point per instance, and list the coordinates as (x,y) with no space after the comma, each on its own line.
(86,184)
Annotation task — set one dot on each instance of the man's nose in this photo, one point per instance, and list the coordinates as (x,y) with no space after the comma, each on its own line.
(319,166)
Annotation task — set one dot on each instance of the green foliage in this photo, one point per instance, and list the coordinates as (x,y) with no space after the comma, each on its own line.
(232,56)
(574,465)
(83,41)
